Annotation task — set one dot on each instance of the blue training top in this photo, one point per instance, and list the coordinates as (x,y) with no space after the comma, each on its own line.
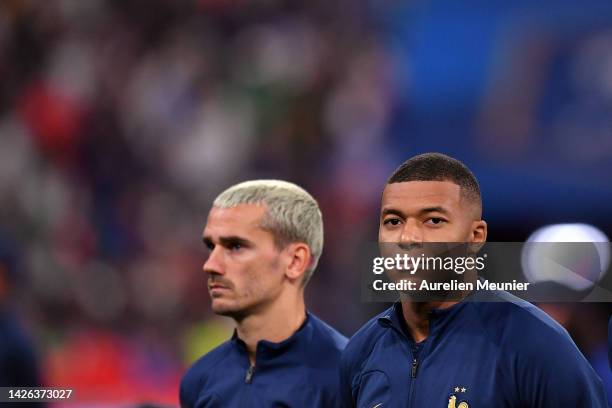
(507,353)
(301,371)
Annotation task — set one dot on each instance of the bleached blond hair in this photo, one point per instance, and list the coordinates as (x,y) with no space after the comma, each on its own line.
(292,215)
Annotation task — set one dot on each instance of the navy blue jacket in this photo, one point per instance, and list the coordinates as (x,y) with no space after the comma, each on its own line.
(301,371)
(610,342)
(483,354)
(18,362)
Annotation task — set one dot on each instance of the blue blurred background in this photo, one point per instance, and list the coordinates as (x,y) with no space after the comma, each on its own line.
(121,120)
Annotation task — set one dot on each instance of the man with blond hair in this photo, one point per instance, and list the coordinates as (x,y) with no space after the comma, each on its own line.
(264,239)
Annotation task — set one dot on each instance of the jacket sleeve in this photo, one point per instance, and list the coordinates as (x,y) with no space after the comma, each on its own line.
(346,380)
(185,401)
(191,383)
(553,373)
(610,342)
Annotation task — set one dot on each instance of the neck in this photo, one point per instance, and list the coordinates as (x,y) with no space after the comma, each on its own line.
(275,323)
(416,316)
(416,313)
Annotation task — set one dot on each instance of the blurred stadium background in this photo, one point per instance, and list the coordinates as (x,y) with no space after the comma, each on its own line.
(121,120)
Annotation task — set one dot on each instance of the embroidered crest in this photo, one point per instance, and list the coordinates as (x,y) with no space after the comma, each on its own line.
(452,399)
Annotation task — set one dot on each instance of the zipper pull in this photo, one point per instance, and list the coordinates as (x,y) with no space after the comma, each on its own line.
(249,374)
(415,365)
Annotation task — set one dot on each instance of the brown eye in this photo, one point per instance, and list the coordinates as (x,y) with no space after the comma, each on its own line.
(392,221)
(436,220)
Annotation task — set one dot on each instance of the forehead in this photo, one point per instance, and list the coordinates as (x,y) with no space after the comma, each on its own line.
(241,218)
(420,194)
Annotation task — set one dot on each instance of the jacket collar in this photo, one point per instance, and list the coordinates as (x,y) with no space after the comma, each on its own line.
(297,343)
(438,318)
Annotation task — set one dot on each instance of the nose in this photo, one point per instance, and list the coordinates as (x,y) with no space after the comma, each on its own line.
(214,265)
(412,232)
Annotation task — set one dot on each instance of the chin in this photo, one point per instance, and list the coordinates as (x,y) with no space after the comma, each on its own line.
(225,308)
(221,307)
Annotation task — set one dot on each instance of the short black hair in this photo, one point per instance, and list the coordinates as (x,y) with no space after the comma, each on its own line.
(438,167)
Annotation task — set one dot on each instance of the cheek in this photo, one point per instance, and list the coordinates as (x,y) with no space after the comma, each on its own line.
(456,232)
(270,271)
(260,277)
(462,232)
(389,235)
(381,234)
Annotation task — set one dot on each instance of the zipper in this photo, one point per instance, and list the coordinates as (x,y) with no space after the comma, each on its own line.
(416,352)
(413,375)
(415,366)
(247,390)
(415,361)
(249,374)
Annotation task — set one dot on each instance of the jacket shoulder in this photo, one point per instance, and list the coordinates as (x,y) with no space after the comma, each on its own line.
(194,378)
(519,325)
(362,342)
(549,366)
(327,335)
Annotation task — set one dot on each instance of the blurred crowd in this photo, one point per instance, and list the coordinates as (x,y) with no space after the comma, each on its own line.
(120,121)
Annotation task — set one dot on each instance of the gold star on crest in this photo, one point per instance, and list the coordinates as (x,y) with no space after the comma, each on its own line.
(456,389)
(463,389)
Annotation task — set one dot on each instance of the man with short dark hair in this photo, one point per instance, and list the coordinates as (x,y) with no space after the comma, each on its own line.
(455,353)
(264,239)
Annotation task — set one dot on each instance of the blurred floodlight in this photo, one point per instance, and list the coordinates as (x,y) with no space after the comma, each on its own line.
(574,255)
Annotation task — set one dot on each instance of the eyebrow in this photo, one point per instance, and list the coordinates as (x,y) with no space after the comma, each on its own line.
(422,211)
(225,241)
(392,211)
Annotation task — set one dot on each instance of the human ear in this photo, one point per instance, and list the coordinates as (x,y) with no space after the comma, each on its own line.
(478,235)
(299,260)
(479,231)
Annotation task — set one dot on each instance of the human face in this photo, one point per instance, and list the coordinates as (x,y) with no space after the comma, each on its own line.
(416,212)
(428,211)
(244,266)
